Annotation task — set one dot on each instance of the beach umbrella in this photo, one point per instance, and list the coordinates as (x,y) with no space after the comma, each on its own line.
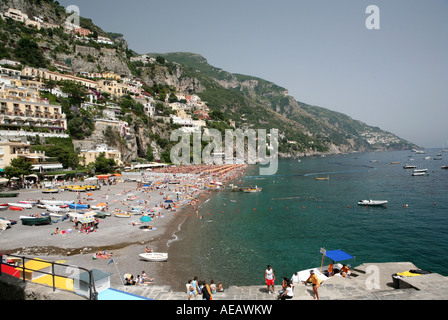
(87,219)
(101,204)
(145,219)
(90,194)
(169,201)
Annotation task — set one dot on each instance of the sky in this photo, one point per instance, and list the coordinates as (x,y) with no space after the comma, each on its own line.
(324,52)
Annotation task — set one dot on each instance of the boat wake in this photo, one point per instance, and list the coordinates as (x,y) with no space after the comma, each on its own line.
(368,168)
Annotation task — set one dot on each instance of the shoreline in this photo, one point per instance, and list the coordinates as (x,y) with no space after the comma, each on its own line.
(115,235)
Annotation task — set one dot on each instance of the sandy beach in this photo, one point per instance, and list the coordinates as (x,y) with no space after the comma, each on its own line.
(187,187)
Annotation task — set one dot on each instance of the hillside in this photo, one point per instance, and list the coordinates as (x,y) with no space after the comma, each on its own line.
(232,100)
(314,129)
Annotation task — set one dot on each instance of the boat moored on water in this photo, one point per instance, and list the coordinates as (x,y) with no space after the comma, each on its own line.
(419,173)
(252,189)
(372,203)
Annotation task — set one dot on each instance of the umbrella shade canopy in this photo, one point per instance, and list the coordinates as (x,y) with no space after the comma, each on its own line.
(87,219)
(169,201)
(145,219)
(101,204)
(155,209)
(90,194)
(338,255)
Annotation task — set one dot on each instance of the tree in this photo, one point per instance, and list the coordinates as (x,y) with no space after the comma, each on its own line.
(17,168)
(29,53)
(104,165)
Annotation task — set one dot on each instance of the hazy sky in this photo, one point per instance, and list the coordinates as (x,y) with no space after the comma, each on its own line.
(394,77)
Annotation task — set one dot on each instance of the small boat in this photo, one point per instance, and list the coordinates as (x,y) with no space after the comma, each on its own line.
(78,206)
(8,195)
(50,191)
(122,214)
(323,178)
(372,203)
(34,221)
(27,202)
(252,190)
(409,167)
(22,205)
(14,208)
(395,162)
(4,206)
(420,170)
(72,215)
(444,167)
(56,202)
(101,215)
(154,256)
(418,174)
(56,208)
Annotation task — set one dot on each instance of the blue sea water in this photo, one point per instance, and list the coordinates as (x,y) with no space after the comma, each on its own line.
(295,215)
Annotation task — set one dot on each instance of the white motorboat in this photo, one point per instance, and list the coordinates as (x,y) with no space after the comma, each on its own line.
(154,256)
(56,208)
(420,170)
(372,202)
(418,173)
(56,202)
(21,205)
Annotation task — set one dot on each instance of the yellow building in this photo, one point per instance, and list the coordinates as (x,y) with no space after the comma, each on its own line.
(21,110)
(111,76)
(113,87)
(10,150)
(55,76)
(89,156)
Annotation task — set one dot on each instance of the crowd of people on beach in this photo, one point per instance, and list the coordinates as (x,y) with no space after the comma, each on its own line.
(197,287)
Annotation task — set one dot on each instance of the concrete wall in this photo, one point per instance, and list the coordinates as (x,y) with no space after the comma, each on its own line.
(12,288)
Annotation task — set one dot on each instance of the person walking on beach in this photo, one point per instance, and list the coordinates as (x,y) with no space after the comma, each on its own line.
(270,278)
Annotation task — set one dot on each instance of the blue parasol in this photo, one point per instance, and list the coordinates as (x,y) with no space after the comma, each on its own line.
(145,219)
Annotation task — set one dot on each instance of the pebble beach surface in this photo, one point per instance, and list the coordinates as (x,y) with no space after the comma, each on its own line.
(119,236)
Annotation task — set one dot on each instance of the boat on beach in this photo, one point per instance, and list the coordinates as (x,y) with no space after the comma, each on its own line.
(78,206)
(35,221)
(122,214)
(154,256)
(51,191)
(56,208)
(21,205)
(372,203)
(56,202)
(4,206)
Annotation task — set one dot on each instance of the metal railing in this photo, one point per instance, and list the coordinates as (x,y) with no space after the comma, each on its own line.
(92,293)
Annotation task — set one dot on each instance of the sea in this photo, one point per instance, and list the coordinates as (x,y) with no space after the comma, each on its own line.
(237,234)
